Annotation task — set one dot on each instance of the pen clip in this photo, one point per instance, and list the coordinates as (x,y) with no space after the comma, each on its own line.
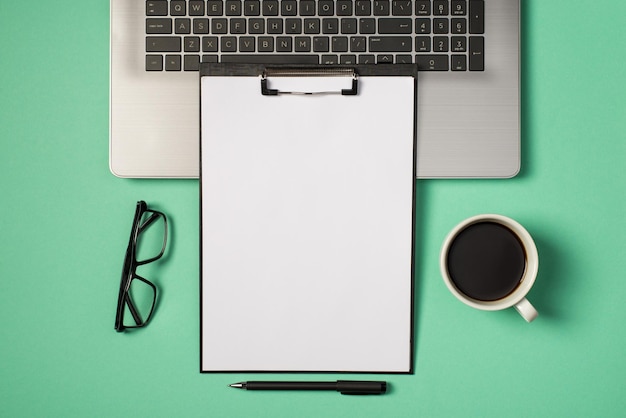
(360,387)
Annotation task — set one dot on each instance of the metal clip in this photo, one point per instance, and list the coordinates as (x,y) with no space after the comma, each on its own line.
(309,72)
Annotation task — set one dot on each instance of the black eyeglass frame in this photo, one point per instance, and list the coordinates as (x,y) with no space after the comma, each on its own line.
(130,266)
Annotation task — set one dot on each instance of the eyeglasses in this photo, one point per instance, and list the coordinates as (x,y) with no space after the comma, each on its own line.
(137,296)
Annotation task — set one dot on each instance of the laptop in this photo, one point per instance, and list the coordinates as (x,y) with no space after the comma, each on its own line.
(467,51)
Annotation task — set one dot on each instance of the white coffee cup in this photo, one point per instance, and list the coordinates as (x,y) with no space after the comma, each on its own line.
(516,297)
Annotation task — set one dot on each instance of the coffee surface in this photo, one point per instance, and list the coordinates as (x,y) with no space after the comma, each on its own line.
(486,261)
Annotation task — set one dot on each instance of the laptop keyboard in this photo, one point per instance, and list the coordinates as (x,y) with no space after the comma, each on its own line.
(438,35)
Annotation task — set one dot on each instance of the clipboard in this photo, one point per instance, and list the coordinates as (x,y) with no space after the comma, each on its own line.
(307,198)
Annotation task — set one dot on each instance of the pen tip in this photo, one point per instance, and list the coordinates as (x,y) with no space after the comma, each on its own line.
(237,385)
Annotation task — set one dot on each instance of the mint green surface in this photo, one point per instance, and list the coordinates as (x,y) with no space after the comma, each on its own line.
(64,224)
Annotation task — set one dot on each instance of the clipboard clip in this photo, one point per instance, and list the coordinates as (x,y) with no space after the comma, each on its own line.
(309,72)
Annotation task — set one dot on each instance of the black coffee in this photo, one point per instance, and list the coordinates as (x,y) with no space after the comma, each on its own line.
(486,261)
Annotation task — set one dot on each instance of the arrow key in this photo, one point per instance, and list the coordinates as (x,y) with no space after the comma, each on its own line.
(384,59)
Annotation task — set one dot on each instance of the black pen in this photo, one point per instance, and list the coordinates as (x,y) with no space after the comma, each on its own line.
(346,387)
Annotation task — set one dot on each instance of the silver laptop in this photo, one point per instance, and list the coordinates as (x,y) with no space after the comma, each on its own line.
(468,53)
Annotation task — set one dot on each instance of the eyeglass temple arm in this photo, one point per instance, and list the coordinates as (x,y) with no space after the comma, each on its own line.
(150,220)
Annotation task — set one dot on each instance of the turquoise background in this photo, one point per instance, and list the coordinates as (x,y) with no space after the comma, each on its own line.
(64,224)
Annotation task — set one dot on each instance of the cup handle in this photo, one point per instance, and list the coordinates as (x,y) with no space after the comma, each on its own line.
(528,311)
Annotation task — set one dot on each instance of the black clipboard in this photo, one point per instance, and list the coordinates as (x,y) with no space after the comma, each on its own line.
(307,217)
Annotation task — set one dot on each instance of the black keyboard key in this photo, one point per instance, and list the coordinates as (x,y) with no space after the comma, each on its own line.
(459,44)
(215,8)
(348,59)
(440,7)
(229,44)
(270,8)
(422,7)
(293,26)
(307,8)
(367,59)
(422,25)
(422,43)
(349,26)
(172,63)
(440,44)
(219,26)
(201,26)
(192,44)
(358,44)
(271,59)
(401,8)
(390,44)
(266,44)
(238,26)
(209,44)
(476,53)
(283,44)
(330,59)
(191,63)
(330,25)
(158,26)
(252,8)
(247,44)
(196,8)
(476,16)
(363,8)
(367,26)
(312,26)
(381,8)
(404,59)
(288,8)
(275,26)
(459,26)
(440,25)
(458,8)
(302,44)
(233,8)
(163,44)
(340,44)
(459,62)
(178,8)
(156,8)
(321,44)
(154,63)
(182,26)
(256,26)
(344,8)
(384,59)
(393,26)
(432,62)
(325,7)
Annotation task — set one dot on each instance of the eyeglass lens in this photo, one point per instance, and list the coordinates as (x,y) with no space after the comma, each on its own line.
(139,303)
(151,237)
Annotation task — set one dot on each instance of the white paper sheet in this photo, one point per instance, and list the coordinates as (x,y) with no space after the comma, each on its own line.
(307,217)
